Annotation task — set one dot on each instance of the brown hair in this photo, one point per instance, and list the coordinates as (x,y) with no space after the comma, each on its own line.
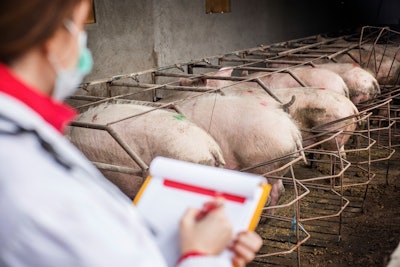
(27,23)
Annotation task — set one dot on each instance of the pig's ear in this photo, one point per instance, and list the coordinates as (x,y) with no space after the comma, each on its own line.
(223,72)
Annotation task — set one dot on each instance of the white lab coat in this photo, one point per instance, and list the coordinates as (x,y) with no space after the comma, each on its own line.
(58,210)
(395,258)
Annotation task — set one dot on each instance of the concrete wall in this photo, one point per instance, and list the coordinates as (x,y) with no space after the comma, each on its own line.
(183,30)
(131,36)
(122,38)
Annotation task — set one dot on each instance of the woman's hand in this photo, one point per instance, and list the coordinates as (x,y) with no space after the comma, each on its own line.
(206,232)
(245,246)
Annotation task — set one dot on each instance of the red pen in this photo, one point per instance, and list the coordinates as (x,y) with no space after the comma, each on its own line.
(207,207)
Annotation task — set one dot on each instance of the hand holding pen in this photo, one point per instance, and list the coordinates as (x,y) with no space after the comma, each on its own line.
(208,232)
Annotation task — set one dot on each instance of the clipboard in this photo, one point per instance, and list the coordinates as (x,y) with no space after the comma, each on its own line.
(173,185)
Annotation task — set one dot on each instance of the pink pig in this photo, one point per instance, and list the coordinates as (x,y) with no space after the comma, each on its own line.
(361,83)
(156,133)
(249,131)
(311,77)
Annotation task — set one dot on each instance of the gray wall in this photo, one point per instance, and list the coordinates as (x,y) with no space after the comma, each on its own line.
(183,31)
(122,38)
(130,36)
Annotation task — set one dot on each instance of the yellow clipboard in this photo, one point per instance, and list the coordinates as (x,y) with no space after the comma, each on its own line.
(172,186)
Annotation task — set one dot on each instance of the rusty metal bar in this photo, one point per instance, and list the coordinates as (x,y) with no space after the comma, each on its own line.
(115,168)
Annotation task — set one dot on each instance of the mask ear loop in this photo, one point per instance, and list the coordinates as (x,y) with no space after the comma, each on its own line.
(73,30)
(71,27)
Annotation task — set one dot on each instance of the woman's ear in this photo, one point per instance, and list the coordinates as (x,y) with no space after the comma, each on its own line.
(80,13)
(62,47)
(46,46)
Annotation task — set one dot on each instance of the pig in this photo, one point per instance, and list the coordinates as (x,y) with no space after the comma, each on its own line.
(249,132)
(385,68)
(312,77)
(362,84)
(383,60)
(314,108)
(158,132)
(390,50)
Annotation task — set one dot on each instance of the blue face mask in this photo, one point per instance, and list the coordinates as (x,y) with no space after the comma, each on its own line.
(68,80)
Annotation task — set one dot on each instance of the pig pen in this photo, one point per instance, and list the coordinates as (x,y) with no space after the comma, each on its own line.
(342,213)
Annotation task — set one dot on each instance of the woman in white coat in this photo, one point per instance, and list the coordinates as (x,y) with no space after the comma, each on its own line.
(56,209)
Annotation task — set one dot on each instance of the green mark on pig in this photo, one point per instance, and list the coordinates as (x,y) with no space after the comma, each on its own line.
(179,117)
